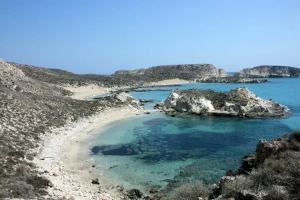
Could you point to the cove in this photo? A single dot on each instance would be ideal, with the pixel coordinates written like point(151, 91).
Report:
point(163, 152)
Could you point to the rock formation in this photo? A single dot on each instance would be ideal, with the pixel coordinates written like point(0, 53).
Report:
point(238, 102)
point(264, 71)
point(185, 71)
point(269, 173)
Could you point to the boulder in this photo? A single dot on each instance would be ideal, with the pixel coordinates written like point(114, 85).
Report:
point(95, 181)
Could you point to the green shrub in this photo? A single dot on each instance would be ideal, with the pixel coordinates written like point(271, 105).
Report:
point(191, 191)
point(22, 170)
point(295, 135)
point(277, 193)
point(38, 182)
point(21, 189)
point(233, 188)
point(30, 157)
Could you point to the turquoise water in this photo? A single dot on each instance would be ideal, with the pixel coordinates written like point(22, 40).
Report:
point(160, 151)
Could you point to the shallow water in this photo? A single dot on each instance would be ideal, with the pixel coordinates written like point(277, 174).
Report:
point(160, 151)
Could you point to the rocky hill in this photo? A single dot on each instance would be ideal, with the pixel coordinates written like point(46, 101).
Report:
point(185, 71)
point(238, 102)
point(264, 71)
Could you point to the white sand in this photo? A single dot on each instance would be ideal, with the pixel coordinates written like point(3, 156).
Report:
point(66, 161)
point(171, 82)
point(85, 91)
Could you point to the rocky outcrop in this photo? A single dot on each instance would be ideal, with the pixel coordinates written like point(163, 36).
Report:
point(238, 102)
point(231, 79)
point(127, 99)
point(264, 71)
point(269, 173)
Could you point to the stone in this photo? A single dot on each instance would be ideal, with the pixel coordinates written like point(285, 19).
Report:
point(134, 194)
point(95, 181)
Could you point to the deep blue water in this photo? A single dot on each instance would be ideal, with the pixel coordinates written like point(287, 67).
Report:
point(160, 151)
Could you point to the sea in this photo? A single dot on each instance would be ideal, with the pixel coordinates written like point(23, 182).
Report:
point(161, 152)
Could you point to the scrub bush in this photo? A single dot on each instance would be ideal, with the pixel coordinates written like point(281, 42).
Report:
point(191, 191)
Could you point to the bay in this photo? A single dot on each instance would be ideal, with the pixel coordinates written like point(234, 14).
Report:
point(163, 152)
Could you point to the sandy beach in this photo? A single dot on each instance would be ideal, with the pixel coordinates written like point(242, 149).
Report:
point(83, 92)
point(64, 160)
point(171, 82)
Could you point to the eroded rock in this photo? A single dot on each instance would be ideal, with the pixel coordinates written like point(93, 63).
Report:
point(239, 102)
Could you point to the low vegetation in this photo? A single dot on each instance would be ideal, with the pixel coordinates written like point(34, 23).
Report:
point(191, 191)
point(276, 177)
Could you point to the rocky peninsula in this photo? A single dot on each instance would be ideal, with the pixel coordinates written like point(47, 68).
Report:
point(239, 102)
point(265, 71)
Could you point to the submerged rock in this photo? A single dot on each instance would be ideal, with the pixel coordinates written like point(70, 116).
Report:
point(239, 102)
point(134, 194)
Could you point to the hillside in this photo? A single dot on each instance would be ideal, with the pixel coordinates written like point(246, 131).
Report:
point(30, 107)
point(265, 71)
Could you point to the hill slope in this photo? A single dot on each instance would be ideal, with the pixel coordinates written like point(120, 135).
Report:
point(28, 108)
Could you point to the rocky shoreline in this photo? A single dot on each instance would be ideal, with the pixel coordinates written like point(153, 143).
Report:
point(239, 102)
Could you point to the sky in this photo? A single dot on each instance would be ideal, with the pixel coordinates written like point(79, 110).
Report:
point(102, 36)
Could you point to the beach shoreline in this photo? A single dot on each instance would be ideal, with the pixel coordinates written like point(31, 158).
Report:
point(64, 159)
point(88, 91)
point(65, 162)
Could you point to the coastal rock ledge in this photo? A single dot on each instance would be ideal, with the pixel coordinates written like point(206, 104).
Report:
point(239, 102)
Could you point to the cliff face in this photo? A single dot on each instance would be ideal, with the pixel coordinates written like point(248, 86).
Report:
point(269, 71)
point(186, 71)
point(238, 102)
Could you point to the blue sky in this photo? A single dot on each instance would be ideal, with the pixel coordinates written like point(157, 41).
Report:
point(98, 36)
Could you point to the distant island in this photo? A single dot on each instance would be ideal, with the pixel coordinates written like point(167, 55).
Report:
point(268, 71)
